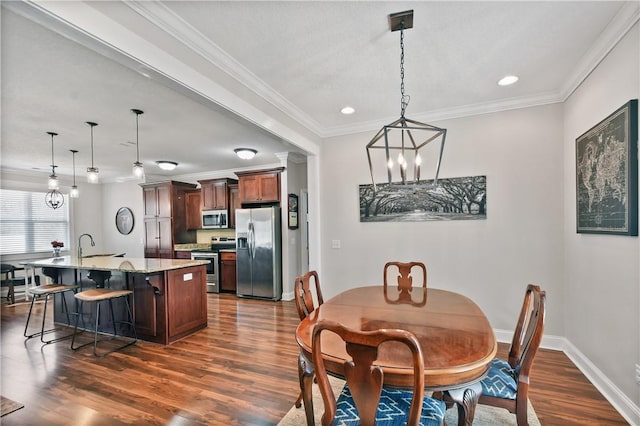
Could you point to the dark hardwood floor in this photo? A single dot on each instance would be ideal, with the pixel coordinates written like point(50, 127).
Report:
point(241, 370)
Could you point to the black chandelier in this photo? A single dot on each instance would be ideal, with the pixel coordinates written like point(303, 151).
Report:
point(404, 135)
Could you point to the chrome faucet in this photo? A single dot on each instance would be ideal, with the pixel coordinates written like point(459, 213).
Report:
point(80, 244)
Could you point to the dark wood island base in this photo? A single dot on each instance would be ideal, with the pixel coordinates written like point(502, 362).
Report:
point(169, 298)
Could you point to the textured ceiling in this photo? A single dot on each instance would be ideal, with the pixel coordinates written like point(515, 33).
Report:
point(302, 60)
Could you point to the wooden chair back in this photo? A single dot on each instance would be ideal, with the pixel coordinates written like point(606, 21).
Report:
point(363, 378)
point(525, 344)
point(405, 276)
point(303, 294)
point(529, 330)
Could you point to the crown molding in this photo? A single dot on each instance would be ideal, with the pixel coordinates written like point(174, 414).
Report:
point(450, 113)
point(625, 19)
point(165, 19)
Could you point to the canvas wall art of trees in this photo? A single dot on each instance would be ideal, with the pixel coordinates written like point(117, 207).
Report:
point(451, 199)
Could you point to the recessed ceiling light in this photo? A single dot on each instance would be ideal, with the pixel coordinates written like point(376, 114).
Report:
point(508, 80)
point(245, 153)
point(166, 165)
point(347, 110)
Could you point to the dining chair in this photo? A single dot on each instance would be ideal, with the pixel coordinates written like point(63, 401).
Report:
point(304, 287)
point(507, 382)
point(405, 275)
point(363, 399)
point(8, 271)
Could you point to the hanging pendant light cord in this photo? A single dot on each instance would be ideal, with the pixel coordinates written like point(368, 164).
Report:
point(74, 169)
point(53, 167)
point(91, 146)
point(404, 98)
point(137, 145)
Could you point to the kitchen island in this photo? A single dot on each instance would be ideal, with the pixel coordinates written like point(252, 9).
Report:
point(169, 295)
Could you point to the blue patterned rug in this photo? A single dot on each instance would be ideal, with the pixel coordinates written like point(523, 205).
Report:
point(485, 416)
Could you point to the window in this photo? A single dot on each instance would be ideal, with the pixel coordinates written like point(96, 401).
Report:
point(28, 225)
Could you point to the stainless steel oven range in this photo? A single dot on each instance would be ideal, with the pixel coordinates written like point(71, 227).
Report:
point(213, 284)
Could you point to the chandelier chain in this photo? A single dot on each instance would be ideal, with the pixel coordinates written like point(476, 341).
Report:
point(404, 98)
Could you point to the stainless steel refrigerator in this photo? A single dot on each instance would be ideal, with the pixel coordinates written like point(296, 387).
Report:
point(259, 253)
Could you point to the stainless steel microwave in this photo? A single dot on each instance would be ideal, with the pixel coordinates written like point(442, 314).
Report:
point(212, 219)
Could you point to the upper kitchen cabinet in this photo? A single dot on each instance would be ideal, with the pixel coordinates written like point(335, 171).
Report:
point(215, 193)
point(165, 217)
point(234, 203)
point(259, 186)
point(194, 216)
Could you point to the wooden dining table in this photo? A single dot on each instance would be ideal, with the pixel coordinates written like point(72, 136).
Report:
point(455, 336)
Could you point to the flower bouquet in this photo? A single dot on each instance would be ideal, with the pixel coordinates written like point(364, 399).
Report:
point(57, 245)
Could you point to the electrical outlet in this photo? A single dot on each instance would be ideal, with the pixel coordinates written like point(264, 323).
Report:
point(638, 373)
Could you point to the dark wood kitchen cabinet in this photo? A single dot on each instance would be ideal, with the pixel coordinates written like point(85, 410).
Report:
point(228, 271)
point(215, 193)
point(194, 211)
point(165, 218)
point(234, 203)
point(259, 186)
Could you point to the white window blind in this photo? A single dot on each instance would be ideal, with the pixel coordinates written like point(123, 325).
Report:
point(28, 225)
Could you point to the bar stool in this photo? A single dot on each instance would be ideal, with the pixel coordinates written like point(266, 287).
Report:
point(97, 296)
point(47, 291)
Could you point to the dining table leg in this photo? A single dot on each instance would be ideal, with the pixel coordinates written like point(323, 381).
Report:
point(305, 373)
point(466, 399)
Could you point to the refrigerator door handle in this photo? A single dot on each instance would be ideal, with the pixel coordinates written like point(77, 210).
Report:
point(252, 241)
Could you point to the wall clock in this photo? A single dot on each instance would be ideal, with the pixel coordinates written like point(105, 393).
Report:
point(124, 220)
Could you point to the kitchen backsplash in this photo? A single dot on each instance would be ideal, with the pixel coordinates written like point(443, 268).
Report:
point(204, 235)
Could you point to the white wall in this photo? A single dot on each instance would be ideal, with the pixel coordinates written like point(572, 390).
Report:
point(602, 273)
point(491, 261)
point(116, 195)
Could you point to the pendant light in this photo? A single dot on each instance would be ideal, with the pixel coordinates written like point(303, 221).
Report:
point(92, 172)
point(53, 198)
point(404, 135)
point(53, 179)
point(138, 168)
point(74, 193)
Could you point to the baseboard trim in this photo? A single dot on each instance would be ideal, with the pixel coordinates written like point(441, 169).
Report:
point(623, 404)
point(287, 296)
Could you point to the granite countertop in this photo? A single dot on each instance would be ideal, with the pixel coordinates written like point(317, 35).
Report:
point(227, 251)
point(123, 264)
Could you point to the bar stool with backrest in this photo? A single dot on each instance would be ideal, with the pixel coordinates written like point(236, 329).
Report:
point(304, 287)
point(405, 276)
point(99, 295)
point(47, 291)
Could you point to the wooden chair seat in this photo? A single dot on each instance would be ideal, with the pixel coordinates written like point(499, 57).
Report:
point(97, 294)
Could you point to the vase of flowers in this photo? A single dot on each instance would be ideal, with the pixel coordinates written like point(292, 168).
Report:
point(57, 245)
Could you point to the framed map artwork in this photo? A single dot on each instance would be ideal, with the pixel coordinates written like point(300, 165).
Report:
point(607, 175)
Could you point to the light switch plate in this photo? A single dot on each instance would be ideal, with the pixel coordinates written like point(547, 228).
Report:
point(335, 244)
